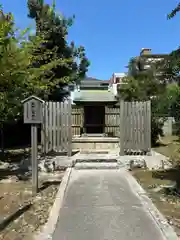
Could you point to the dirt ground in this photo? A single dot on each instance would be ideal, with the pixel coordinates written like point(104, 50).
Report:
point(157, 183)
point(24, 214)
point(160, 184)
point(170, 147)
point(15, 195)
point(35, 214)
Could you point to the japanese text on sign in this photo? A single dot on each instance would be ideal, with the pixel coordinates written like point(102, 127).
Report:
point(33, 111)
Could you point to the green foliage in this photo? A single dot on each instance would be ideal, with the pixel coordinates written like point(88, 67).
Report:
point(173, 96)
point(41, 64)
point(172, 66)
point(156, 129)
point(140, 84)
point(135, 66)
point(174, 11)
point(53, 28)
point(17, 78)
point(11, 64)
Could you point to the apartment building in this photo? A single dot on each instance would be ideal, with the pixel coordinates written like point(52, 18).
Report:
point(115, 81)
point(150, 58)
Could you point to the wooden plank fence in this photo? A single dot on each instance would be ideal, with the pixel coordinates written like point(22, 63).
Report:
point(135, 127)
point(112, 117)
point(56, 132)
point(77, 120)
point(62, 121)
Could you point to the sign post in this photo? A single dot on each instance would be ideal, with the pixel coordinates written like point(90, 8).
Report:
point(33, 115)
point(34, 156)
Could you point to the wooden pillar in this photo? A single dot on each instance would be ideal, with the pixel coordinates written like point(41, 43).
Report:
point(122, 128)
point(82, 128)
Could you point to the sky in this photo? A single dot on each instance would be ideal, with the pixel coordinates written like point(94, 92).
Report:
point(112, 31)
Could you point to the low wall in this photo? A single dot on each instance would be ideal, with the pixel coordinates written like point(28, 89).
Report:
point(95, 143)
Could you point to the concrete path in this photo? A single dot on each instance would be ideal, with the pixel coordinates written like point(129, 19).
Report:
point(102, 205)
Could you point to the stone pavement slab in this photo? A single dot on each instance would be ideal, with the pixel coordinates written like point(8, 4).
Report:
point(101, 205)
point(96, 165)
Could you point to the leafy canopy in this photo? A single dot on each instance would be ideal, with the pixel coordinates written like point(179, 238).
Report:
point(19, 77)
point(174, 11)
point(36, 64)
point(53, 28)
point(141, 84)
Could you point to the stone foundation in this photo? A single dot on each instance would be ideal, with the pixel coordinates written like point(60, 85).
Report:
point(95, 143)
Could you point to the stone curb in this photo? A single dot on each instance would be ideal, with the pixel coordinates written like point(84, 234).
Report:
point(167, 231)
point(48, 229)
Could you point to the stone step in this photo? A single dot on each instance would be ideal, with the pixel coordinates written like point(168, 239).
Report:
point(96, 160)
point(97, 155)
point(100, 165)
point(87, 151)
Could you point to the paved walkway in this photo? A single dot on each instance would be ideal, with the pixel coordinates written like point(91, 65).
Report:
point(101, 205)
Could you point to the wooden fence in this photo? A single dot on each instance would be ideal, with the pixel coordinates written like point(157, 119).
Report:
point(77, 120)
point(111, 125)
point(112, 121)
point(135, 127)
point(56, 129)
point(62, 121)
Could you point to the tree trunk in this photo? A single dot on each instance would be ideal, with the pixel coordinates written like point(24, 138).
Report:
point(2, 140)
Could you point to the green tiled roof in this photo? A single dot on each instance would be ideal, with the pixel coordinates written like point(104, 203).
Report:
point(94, 96)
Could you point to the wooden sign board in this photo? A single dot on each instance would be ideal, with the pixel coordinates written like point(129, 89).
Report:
point(33, 107)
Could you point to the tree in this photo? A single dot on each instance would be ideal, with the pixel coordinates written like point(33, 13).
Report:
point(135, 66)
point(142, 84)
point(11, 82)
point(53, 28)
point(19, 76)
point(40, 64)
point(174, 11)
point(172, 67)
point(12, 66)
point(172, 101)
point(169, 67)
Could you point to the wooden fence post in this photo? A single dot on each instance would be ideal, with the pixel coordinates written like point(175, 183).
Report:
point(121, 128)
point(69, 128)
point(135, 127)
